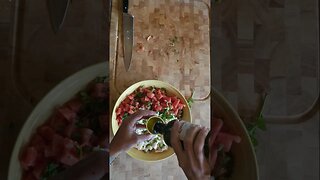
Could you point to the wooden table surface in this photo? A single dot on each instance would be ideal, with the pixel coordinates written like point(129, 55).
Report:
point(258, 45)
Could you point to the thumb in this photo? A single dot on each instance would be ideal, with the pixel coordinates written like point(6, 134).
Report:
point(144, 137)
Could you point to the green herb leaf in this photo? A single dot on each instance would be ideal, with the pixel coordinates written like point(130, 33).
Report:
point(190, 100)
point(84, 97)
point(258, 124)
point(139, 95)
point(79, 151)
point(125, 115)
point(101, 79)
point(261, 123)
point(51, 170)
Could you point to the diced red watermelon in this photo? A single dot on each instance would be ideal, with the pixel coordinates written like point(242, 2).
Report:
point(167, 99)
point(38, 142)
point(46, 132)
point(175, 103)
point(29, 157)
point(68, 130)
point(38, 168)
point(28, 176)
point(130, 111)
point(181, 106)
point(131, 96)
point(75, 105)
point(85, 136)
point(57, 145)
point(159, 96)
point(150, 95)
point(69, 158)
point(99, 90)
point(58, 123)
point(216, 126)
point(175, 112)
point(67, 113)
point(226, 140)
point(164, 104)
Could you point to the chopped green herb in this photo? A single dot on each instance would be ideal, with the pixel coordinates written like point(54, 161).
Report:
point(139, 95)
point(101, 79)
point(190, 100)
point(51, 170)
point(258, 124)
point(125, 115)
point(79, 151)
point(164, 90)
point(84, 97)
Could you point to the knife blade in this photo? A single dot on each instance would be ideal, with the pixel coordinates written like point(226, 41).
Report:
point(57, 12)
point(127, 24)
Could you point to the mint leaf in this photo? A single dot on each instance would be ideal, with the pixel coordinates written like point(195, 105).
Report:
point(51, 170)
point(261, 123)
point(190, 100)
point(258, 124)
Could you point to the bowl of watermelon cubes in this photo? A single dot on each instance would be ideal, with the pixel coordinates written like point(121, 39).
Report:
point(68, 124)
point(158, 96)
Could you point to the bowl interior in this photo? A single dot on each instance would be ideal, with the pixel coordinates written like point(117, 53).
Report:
point(150, 156)
point(245, 163)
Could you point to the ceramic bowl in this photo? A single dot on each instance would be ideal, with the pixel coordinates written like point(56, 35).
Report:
point(60, 94)
point(150, 156)
point(245, 162)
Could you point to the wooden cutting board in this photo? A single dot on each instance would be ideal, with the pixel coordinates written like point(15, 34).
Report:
point(177, 51)
point(171, 43)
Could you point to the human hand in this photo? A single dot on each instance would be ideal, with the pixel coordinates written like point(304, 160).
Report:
point(191, 156)
point(126, 136)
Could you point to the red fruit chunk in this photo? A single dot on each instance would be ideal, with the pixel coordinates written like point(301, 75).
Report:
point(67, 113)
point(29, 157)
point(85, 136)
point(99, 90)
point(69, 158)
point(226, 140)
point(75, 105)
point(46, 132)
point(150, 95)
point(175, 103)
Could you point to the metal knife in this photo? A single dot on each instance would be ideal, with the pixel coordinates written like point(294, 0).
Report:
point(57, 11)
point(127, 25)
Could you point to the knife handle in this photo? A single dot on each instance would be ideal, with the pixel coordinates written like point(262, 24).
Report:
point(125, 4)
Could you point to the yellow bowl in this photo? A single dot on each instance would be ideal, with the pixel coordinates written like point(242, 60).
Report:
point(245, 162)
point(171, 91)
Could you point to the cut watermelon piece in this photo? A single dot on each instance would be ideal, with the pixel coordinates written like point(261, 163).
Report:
point(29, 157)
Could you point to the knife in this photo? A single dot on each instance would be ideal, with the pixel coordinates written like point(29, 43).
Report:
point(127, 24)
point(57, 11)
